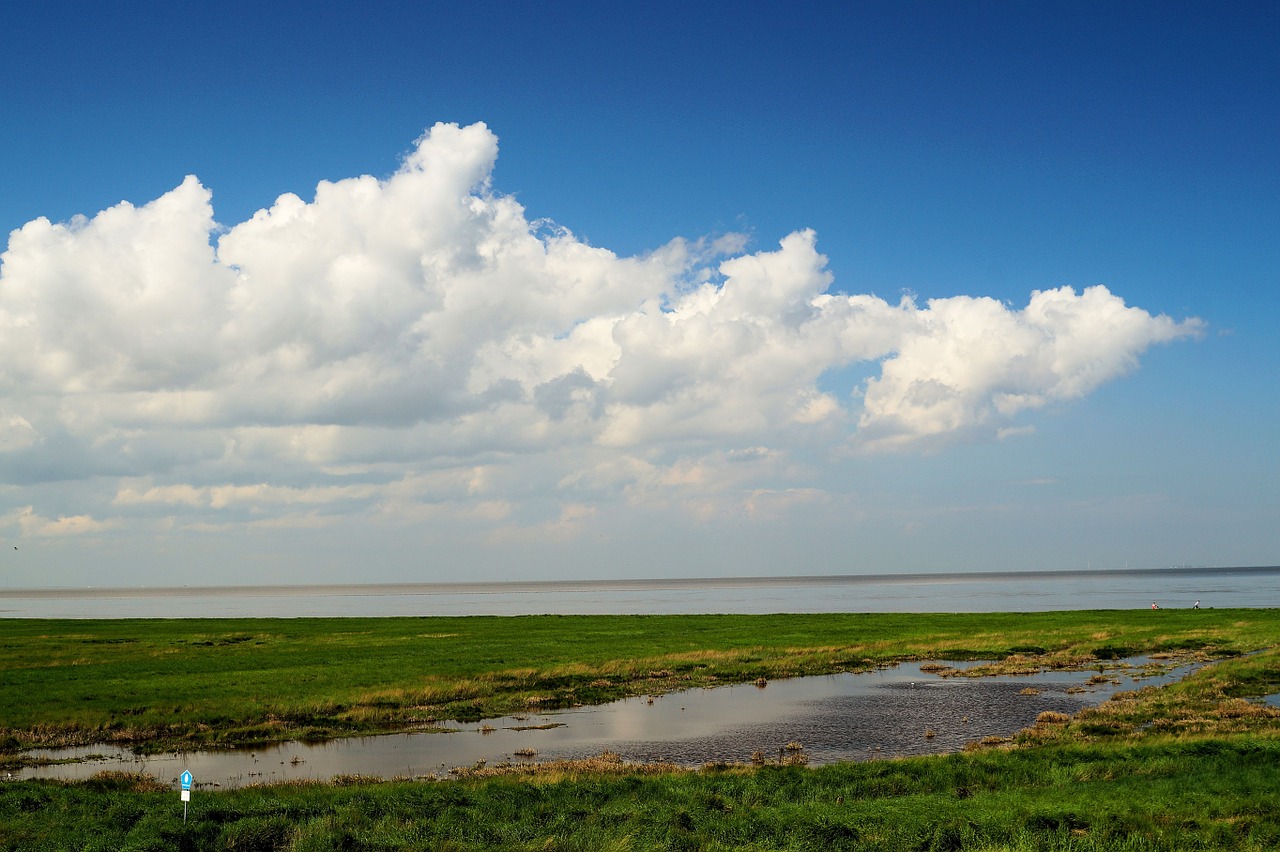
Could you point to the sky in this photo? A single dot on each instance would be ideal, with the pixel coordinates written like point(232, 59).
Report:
point(319, 293)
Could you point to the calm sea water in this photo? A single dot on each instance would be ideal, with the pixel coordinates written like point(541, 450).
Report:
point(1027, 591)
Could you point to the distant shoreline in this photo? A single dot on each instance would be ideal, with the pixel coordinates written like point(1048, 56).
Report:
point(639, 584)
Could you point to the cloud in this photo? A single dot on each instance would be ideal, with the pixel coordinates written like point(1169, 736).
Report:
point(32, 524)
point(971, 363)
point(376, 348)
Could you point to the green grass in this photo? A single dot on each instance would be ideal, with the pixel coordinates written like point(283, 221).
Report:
point(155, 683)
point(1189, 766)
point(1164, 795)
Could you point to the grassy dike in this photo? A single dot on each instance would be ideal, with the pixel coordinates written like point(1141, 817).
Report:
point(1190, 766)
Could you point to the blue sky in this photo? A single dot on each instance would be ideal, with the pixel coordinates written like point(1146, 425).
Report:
point(623, 292)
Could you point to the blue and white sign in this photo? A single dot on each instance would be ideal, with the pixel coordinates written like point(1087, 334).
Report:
point(185, 779)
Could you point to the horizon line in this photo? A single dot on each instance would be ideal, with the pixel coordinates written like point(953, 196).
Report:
point(498, 586)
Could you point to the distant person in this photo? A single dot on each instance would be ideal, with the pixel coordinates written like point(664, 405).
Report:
point(1196, 605)
point(1153, 605)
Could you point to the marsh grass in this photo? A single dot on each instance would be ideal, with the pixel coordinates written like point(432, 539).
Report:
point(1213, 701)
point(191, 683)
point(1157, 794)
point(1186, 766)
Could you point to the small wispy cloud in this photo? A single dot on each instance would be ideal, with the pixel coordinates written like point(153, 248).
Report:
point(34, 525)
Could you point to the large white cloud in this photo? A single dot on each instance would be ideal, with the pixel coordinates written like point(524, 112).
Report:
point(390, 339)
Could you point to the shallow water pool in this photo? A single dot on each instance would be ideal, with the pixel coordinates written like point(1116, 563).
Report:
point(883, 713)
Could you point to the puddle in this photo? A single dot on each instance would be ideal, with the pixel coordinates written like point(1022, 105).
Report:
point(883, 713)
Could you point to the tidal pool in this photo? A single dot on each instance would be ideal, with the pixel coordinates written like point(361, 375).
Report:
point(883, 713)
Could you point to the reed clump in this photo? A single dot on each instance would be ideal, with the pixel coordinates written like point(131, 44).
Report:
point(941, 669)
point(1052, 717)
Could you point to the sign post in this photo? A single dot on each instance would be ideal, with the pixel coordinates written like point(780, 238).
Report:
point(185, 780)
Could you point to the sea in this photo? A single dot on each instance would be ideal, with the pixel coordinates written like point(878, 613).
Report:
point(1006, 591)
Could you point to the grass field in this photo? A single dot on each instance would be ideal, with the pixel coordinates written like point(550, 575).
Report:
point(1170, 795)
point(156, 683)
point(1187, 766)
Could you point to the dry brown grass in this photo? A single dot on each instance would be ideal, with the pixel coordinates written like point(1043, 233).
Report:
point(941, 669)
point(1239, 708)
point(1200, 705)
point(606, 763)
point(987, 742)
point(355, 780)
point(134, 782)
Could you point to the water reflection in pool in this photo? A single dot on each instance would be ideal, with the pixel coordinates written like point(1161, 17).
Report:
point(888, 712)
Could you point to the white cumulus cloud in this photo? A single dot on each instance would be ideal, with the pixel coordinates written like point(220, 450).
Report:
point(392, 346)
